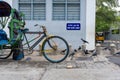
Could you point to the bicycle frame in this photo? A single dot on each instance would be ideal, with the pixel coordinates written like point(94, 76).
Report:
point(35, 43)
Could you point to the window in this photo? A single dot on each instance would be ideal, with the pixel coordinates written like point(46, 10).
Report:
point(66, 10)
point(33, 9)
point(59, 11)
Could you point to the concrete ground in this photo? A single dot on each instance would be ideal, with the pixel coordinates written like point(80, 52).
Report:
point(34, 67)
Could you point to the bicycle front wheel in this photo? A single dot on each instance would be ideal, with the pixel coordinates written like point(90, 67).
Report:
point(55, 49)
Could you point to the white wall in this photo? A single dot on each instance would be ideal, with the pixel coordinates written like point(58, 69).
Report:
point(59, 27)
point(9, 1)
point(90, 23)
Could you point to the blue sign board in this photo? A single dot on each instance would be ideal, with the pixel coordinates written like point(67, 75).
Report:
point(73, 26)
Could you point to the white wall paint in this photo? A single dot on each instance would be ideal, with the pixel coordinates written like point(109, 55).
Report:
point(9, 1)
point(59, 27)
point(90, 23)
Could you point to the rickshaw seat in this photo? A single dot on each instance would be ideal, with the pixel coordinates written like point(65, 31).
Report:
point(4, 42)
point(25, 30)
point(3, 37)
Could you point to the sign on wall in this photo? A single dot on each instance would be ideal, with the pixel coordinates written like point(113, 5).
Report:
point(73, 26)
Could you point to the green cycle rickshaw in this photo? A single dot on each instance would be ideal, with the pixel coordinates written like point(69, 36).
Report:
point(13, 20)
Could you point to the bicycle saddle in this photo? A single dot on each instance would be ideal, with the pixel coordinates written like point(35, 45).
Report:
point(84, 41)
point(25, 30)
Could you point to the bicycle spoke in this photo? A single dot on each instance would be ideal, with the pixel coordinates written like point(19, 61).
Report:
point(55, 49)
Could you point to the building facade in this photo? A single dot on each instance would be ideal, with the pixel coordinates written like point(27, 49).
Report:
point(71, 19)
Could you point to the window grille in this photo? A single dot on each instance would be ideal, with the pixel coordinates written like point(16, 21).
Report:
point(66, 10)
point(33, 9)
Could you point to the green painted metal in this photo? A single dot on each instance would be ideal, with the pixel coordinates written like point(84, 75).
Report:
point(15, 24)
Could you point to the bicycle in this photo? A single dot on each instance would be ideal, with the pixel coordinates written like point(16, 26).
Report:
point(54, 48)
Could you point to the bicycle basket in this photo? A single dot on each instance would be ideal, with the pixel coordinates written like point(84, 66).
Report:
point(5, 9)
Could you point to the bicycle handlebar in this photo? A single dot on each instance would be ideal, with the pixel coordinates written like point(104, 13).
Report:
point(41, 26)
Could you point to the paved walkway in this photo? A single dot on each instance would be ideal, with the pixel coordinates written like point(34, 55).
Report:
point(81, 68)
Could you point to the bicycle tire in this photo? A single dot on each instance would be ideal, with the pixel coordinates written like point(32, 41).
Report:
point(53, 45)
point(5, 53)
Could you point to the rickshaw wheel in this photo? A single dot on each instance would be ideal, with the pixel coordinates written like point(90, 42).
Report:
point(5, 53)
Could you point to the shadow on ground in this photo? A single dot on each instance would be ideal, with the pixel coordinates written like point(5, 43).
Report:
point(114, 59)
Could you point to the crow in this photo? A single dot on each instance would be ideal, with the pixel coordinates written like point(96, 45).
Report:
point(94, 53)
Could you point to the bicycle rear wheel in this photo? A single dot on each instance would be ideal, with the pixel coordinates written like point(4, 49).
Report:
point(55, 49)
